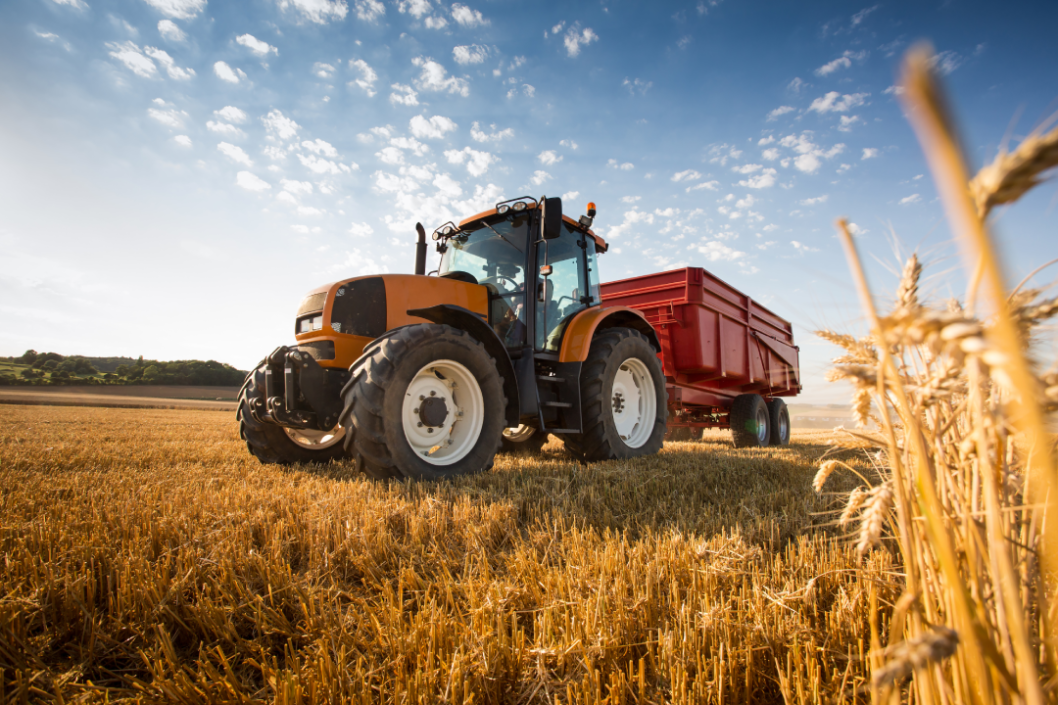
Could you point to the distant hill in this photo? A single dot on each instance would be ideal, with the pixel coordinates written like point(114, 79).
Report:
point(49, 368)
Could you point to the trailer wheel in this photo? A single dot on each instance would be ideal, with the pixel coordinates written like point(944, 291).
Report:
point(750, 423)
point(779, 416)
point(624, 403)
point(425, 403)
point(272, 444)
point(522, 439)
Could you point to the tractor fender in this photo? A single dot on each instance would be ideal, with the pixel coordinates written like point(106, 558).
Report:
point(474, 325)
point(581, 330)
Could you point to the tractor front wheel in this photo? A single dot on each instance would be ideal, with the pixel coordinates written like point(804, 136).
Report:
point(624, 404)
point(425, 403)
point(274, 444)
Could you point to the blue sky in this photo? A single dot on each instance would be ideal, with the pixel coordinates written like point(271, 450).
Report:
point(175, 174)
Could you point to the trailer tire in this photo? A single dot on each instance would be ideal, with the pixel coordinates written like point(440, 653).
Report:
point(750, 421)
point(626, 352)
point(387, 427)
point(275, 445)
point(523, 439)
point(779, 416)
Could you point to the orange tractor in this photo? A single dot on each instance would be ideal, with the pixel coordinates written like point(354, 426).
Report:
point(426, 376)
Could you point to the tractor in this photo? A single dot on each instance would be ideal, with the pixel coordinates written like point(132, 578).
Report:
point(429, 376)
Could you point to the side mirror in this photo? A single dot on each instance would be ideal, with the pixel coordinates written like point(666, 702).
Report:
point(552, 217)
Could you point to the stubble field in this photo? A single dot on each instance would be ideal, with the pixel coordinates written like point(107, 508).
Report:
point(147, 556)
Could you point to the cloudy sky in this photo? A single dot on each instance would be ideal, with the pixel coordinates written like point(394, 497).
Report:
point(175, 174)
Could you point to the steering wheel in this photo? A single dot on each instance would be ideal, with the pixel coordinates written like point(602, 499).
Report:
point(514, 284)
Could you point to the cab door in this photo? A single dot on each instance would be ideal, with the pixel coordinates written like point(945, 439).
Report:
point(571, 287)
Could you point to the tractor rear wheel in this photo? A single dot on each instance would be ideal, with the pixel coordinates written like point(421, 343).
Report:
point(750, 422)
point(425, 403)
point(624, 403)
point(274, 444)
point(523, 439)
point(779, 416)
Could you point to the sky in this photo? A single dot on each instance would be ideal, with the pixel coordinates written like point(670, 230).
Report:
point(176, 174)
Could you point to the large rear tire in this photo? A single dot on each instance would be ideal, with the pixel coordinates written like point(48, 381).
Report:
point(523, 439)
point(425, 403)
point(272, 444)
point(624, 404)
point(750, 422)
point(779, 416)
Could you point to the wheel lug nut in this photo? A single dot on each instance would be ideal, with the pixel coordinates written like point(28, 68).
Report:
point(421, 397)
point(429, 430)
point(419, 424)
point(414, 411)
point(433, 394)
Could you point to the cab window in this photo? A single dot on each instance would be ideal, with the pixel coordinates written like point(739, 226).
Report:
point(559, 295)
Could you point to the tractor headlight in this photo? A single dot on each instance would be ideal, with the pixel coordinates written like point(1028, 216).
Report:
point(519, 206)
point(310, 323)
point(503, 209)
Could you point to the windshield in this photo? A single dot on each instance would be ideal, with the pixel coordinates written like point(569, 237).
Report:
point(490, 250)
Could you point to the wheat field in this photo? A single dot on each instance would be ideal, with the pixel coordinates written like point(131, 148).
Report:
point(148, 557)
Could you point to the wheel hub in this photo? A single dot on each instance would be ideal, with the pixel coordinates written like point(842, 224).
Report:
point(433, 411)
point(618, 403)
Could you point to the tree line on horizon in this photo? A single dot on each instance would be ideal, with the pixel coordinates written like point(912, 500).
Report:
point(50, 368)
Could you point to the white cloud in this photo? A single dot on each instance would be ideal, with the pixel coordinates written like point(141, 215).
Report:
point(946, 62)
point(436, 22)
point(539, 177)
point(467, 17)
point(390, 155)
point(570, 195)
point(309, 211)
point(250, 182)
point(472, 54)
point(319, 146)
point(894, 90)
point(178, 9)
point(225, 72)
point(842, 168)
point(747, 168)
point(403, 95)
point(842, 62)
point(802, 248)
point(556, 29)
point(796, 86)
point(847, 121)
point(720, 153)
point(182, 140)
point(166, 114)
point(477, 162)
point(171, 68)
point(170, 32)
point(224, 128)
point(810, 155)
point(637, 86)
point(361, 229)
point(435, 78)
point(862, 15)
point(705, 185)
point(575, 39)
point(256, 45)
point(716, 251)
point(318, 11)
point(279, 126)
point(781, 110)
point(77, 4)
point(569, 143)
point(869, 153)
point(411, 143)
point(632, 218)
point(529, 90)
point(746, 202)
point(630, 199)
point(613, 164)
point(548, 157)
point(808, 163)
point(814, 201)
point(298, 188)
point(130, 55)
point(433, 128)
point(688, 175)
point(765, 140)
point(234, 153)
point(770, 154)
point(367, 76)
point(837, 103)
point(913, 198)
point(415, 8)
point(231, 114)
point(481, 136)
point(765, 179)
point(319, 165)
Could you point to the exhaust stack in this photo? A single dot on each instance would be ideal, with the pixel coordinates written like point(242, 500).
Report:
point(420, 250)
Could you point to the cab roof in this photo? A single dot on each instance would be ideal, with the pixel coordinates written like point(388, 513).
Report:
point(600, 244)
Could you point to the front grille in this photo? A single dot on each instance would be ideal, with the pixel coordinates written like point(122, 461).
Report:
point(360, 308)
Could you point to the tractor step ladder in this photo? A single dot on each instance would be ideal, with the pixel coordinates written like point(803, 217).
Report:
point(548, 379)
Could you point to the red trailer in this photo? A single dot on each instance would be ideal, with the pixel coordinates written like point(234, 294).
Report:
point(726, 358)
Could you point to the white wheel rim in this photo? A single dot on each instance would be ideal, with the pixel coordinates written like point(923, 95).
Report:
point(633, 402)
point(316, 440)
point(762, 425)
point(458, 422)
point(519, 433)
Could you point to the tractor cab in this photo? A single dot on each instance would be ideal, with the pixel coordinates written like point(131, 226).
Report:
point(536, 283)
